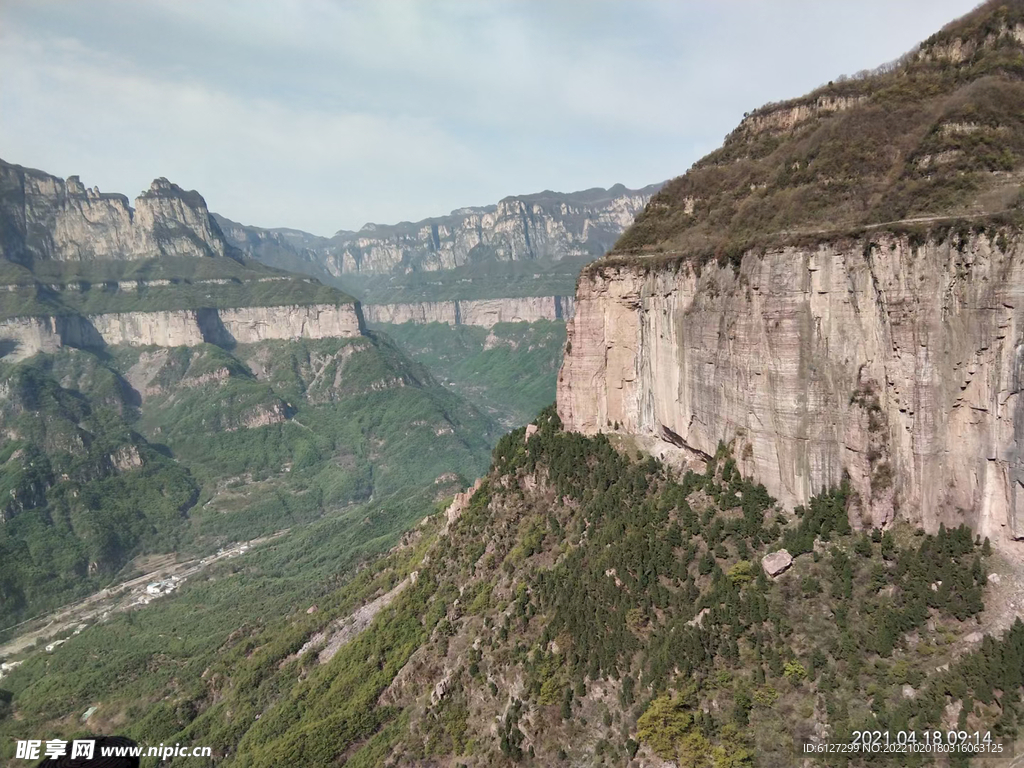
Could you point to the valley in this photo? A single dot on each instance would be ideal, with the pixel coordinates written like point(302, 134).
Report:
point(131, 594)
point(723, 472)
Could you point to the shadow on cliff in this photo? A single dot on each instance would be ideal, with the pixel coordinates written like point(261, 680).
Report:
point(213, 330)
point(8, 347)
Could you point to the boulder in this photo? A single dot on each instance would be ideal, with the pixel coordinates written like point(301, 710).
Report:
point(776, 562)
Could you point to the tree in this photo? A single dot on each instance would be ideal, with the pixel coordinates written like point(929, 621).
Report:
point(664, 726)
point(741, 573)
point(794, 671)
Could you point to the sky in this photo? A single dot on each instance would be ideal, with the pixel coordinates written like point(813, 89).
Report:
point(326, 114)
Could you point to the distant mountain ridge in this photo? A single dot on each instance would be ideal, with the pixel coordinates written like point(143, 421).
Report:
point(83, 268)
point(543, 227)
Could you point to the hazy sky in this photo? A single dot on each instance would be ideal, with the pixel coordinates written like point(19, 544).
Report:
point(325, 114)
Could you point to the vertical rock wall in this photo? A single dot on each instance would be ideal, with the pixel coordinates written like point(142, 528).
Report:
point(897, 365)
point(22, 337)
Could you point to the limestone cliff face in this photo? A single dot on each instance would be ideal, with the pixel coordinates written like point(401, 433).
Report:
point(44, 218)
point(482, 312)
point(899, 365)
point(25, 336)
point(548, 225)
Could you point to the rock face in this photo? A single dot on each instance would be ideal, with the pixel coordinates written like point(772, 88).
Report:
point(206, 291)
point(897, 363)
point(482, 312)
point(548, 225)
point(45, 218)
point(25, 336)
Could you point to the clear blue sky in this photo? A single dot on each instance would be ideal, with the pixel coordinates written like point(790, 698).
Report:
point(325, 114)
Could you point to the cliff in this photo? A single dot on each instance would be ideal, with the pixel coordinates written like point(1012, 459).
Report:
point(84, 269)
point(763, 302)
point(482, 312)
point(900, 366)
point(25, 336)
point(543, 226)
point(45, 218)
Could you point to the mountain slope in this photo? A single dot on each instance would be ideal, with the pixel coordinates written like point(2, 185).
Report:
point(185, 449)
point(937, 133)
point(583, 607)
point(84, 492)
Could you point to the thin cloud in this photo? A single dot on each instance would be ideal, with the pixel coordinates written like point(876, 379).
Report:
point(322, 115)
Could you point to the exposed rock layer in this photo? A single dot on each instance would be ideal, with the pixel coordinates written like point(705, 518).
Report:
point(25, 336)
point(898, 365)
point(482, 312)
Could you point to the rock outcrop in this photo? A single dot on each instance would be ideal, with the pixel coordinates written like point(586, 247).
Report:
point(481, 312)
point(896, 363)
point(548, 226)
point(25, 336)
point(45, 218)
point(159, 274)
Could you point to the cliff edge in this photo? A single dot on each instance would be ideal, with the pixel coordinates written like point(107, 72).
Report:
point(868, 324)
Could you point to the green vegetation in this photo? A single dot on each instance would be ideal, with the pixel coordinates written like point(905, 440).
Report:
point(82, 491)
point(90, 287)
point(929, 136)
point(589, 603)
point(508, 371)
point(164, 669)
point(221, 447)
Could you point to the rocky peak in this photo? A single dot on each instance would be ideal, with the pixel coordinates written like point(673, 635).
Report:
point(163, 185)
point(43, 218)
point(74, 186)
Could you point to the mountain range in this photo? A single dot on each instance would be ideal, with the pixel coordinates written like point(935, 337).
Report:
point(772, 511)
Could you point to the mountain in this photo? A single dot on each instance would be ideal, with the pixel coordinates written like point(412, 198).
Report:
point(523, 246)
point(548, 226)
point(835, 293)
point(83, 269)
point(753, 530)
point(160, 392)
point(581, 605)
point(466, 274)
